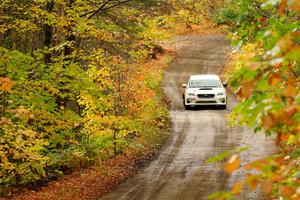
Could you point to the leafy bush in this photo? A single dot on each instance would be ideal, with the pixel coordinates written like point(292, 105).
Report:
point(264, 75)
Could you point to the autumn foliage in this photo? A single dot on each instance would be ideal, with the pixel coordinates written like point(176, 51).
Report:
point(264, 72)
point(78, 85)
point(80, 81)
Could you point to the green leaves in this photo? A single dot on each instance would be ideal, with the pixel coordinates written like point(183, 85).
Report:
point(78, 85)
point(267, 83)
point(222, 156)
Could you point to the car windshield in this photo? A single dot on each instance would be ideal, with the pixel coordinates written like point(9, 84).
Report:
point(204, 83)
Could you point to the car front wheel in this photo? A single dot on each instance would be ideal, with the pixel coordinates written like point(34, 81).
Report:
point(186, 107)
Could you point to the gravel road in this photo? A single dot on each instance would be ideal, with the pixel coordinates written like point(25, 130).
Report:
point(180, 172)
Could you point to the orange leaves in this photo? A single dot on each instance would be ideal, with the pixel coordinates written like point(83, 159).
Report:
point(245, 91)
point(252, 181)
point(295, 5)
point(282, 7)
point(271, 104)
point(268, 122)
point(6, 84)
point(291, 110)
point(276, 179)
point(283, 116)
point(281, 138)
point(274, 79)
point(256, 165)
point(267, 186)
point(5, 121)
point(262, 19)
point(232, 164)
point(291, 88)
point(286, 191)
point(237, 188)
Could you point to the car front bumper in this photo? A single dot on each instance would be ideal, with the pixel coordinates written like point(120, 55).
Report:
point(194, 101)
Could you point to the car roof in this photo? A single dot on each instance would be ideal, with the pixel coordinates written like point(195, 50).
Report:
point(204, 76)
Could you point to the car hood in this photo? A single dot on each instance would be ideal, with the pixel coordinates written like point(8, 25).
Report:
point(213, 90)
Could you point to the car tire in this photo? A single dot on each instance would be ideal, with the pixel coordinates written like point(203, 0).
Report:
point(186, 107)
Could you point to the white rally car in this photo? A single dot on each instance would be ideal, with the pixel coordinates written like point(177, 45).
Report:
point(205, 90)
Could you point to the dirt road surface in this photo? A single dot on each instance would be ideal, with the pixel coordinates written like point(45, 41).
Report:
point(181, 172)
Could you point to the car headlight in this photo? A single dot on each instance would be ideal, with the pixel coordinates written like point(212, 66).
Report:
point(220, 94)
point(191, 94)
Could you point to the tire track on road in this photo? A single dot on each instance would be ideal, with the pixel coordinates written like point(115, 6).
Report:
point(180, 171)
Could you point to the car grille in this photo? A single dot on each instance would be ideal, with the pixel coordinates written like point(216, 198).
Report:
point(206, 102)
point(206, 95)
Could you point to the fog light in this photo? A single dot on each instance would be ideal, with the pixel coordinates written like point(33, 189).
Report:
point(222, 100)
point(189, 100)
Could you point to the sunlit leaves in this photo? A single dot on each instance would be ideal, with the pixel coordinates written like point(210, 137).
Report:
point(237, 188)
point(6, 84)
point(232, 164)
point(20, 152)
point(75, 89)
point(267, 83)
point(226, 154)
point(219, 157)
point(220, 195)
point(267, 186)
point(252, 181)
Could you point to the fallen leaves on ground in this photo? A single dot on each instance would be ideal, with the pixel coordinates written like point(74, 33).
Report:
point(87, 184)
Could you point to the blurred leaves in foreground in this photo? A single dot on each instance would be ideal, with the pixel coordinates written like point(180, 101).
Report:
point(264, 72)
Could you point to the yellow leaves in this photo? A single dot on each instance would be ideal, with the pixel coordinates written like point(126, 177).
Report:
point(295, 5)
point(272, 106)
point(20, 112)
point(6, 165)
point(5, 121)
point(23, 26)
point(232, 164)
point(237, 188)
point(6, 84)
point(239, 59)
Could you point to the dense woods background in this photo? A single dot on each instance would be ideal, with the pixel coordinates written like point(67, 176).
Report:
point(77, 85)
point(80, 83)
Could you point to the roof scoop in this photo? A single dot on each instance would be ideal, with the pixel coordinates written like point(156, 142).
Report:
point(205, 89)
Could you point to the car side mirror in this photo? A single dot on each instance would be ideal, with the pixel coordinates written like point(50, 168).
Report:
point(225, 84)
point(184, 85)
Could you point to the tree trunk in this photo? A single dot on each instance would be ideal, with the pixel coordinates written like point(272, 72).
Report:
point(48, 32)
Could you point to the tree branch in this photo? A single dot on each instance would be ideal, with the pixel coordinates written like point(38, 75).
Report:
point(95, 11)
point(104, 7)
point(117, 4)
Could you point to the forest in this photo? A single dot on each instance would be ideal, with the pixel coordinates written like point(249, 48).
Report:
point(80, 84)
